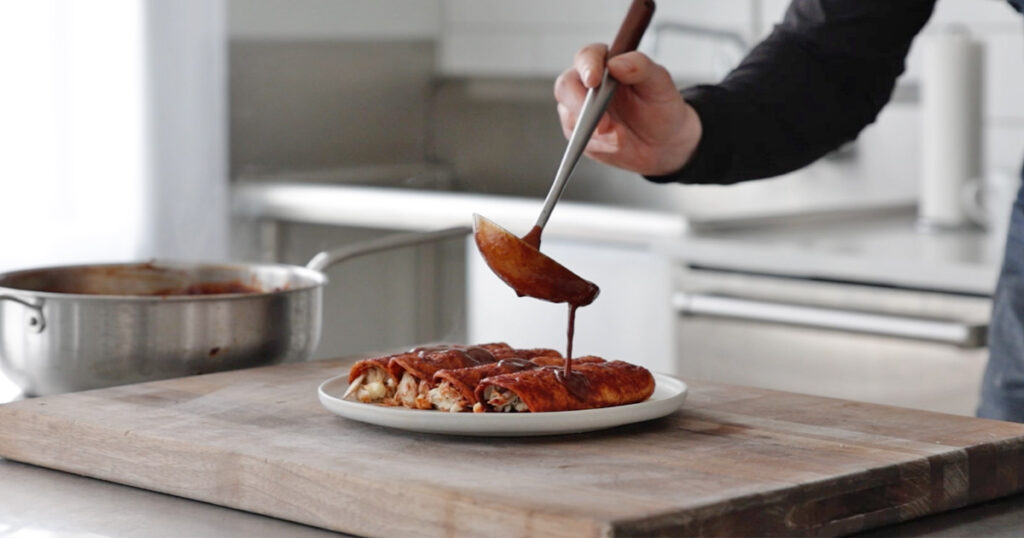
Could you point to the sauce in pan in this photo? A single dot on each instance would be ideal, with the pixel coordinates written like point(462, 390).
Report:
point(129, 280)
point(211, 288)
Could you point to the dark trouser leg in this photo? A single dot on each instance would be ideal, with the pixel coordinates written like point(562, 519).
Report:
point(1002, 390)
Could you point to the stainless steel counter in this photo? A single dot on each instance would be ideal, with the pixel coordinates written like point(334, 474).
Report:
point(41, 503)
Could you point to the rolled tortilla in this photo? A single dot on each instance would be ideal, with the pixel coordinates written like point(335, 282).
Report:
point(371, 381)
point(558, 360)
point(378, 379)
point(541, 390)
point(455, 390)
point(533, 353)
point(415, 370)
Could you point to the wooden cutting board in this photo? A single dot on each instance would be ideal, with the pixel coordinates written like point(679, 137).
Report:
point(734, 460)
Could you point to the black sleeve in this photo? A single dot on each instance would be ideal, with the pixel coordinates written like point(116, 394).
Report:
point(822, 75)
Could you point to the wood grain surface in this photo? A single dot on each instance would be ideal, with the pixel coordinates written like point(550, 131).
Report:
point(733, 461)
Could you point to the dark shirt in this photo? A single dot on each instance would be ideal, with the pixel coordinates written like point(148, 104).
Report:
point(813, 84)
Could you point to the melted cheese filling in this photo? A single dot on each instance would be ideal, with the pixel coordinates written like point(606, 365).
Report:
point(504, 401)
point(374, 386)
point(412, 392)
point(447, 398)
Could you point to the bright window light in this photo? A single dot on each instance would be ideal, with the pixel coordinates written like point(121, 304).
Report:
point(73, 136)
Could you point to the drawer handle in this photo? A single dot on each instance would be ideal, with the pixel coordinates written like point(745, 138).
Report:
point(969, 335)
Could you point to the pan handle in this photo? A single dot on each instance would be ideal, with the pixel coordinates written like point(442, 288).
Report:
point(325, 259)
point(36, 321)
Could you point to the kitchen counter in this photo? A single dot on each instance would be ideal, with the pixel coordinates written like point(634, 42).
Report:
point(733, 458)
point(41, 503)
point(883, 249)
point(389, 208)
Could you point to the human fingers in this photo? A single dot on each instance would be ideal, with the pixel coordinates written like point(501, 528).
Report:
point(605, 137)
point(567, 119)
point(569, 89)
point(649, 80)
point(589, 63)
point(570, 95)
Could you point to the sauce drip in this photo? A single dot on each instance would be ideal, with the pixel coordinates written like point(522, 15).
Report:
point(569, 335)
point(575, 383)
point(473, 354)
point(519, 262)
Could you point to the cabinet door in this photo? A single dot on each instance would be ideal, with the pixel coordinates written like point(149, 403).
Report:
point(538, 38)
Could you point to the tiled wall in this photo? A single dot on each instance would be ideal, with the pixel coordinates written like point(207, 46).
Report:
point(318, 104)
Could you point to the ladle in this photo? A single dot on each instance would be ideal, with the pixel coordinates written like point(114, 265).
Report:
point(519, 261)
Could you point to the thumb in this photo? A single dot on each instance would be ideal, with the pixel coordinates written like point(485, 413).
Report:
point(650, 81)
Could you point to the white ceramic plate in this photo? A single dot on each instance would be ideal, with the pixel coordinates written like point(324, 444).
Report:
point(669, 394)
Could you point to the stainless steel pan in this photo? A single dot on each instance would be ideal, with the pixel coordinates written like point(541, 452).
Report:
point(72, 328)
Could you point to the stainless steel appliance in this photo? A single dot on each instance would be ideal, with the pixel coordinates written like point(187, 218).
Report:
point(65, 329)
point(907, 347)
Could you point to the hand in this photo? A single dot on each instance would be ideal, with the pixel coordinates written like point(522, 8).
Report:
point(648, 128)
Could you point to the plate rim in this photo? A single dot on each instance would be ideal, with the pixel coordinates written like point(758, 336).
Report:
point(507, 424)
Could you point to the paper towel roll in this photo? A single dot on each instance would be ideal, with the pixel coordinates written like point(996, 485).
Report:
point(951, 120)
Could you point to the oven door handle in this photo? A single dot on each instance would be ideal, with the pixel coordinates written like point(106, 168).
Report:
point(960, 333)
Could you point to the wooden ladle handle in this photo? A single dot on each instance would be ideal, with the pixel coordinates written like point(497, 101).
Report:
point(633, 27)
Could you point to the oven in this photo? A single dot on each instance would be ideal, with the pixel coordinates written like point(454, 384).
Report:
point(914, 348)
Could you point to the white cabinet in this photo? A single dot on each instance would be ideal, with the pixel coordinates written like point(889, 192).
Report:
point(538, 38)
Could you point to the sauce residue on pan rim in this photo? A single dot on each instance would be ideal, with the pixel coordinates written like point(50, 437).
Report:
point(214, 288)
point(137, 281)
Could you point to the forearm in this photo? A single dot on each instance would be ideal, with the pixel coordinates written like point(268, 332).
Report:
point(821, 76)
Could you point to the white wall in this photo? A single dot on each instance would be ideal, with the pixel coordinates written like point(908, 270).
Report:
point(187, 128)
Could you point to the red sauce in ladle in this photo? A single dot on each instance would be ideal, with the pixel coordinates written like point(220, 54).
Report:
point(532, 237)
point(519, 262)
point(558, 283)
point(575, 383)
